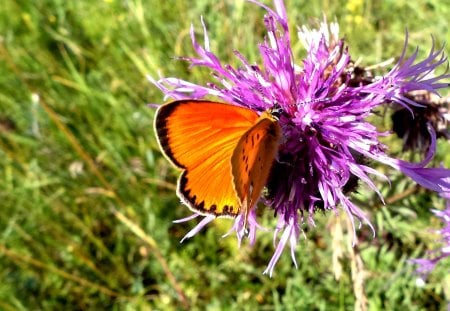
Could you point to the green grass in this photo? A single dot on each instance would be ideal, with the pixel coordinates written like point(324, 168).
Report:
point(87, 200)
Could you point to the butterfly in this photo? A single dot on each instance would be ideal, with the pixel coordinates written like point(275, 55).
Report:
point(225, 153)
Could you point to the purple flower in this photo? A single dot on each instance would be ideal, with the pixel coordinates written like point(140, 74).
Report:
point(427, 264)
point(324, 104)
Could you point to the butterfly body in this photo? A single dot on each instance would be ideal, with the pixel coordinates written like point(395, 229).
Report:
point(225, 153)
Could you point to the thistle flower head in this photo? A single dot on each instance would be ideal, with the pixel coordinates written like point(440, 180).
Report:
point(323, 103)
point(411, 125)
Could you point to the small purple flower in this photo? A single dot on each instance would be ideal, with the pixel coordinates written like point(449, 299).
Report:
point(427, 264)
point(324, 107)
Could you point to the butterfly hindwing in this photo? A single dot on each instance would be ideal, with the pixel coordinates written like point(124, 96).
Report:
point(199, 137)
point(252, 160)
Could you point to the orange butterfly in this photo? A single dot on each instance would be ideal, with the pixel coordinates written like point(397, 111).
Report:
point(225, 153)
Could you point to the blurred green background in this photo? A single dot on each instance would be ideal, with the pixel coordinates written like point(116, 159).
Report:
point(87, 200)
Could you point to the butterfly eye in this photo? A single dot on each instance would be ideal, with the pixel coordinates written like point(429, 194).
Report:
point(276, 112)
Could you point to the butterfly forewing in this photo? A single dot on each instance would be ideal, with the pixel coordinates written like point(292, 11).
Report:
point(199, 137)
point(252, 160)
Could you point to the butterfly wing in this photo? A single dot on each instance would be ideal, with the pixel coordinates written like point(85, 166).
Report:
point(252, 160)
point(199, 137)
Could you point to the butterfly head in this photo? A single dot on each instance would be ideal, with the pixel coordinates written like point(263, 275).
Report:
point(276, 112)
